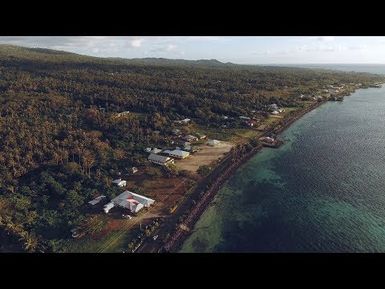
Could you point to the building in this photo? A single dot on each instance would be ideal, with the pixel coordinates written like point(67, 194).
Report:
point(275, 112)
point(97, 200)
point(176, 131)
point(201, 135)
point(129, 200)
point(273, 107)
point(133, 170)
point(177, 153)
point(160, 160)
point(147, 150)
point(267, 139)
point(244, 117)
point(108, 207)
point(183, 121)
point(119, 182)
point(156, 150)
point(123, 113)
point(213, 142)
point(152, 150)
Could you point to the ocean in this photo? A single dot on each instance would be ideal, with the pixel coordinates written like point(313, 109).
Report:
point(369, 68)
point(322, 191)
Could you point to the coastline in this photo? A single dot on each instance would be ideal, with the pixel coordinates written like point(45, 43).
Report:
point(214, 182)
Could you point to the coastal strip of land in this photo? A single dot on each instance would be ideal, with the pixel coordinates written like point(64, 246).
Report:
point(183, 220)
point(214, 182)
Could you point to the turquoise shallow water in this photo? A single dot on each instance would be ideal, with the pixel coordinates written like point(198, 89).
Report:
point(323, 191)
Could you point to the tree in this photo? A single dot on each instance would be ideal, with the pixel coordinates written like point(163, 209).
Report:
point(204, 170)
point(74, 199)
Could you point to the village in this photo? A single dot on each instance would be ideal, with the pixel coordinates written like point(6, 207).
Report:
point(144, 199)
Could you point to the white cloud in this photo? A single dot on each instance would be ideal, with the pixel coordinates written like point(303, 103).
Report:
point(171, 47)
point(323, 38)
point(136, 43)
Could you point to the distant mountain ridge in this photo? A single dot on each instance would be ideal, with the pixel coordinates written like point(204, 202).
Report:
point(34, 52)
point(40, 56)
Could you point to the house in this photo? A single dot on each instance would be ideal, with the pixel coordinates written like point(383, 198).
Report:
point(129, 200)
point(108, 207)
point(267, 139)
point(123, 113)
point(119, 182)
point(133, 170)
point(96, 200)
point(183, 121)
point(275, 112)
point(156, 150)
point(176, 131)
point(201, 135)
point(281, 110)
point(190, 138)
point(160, 160)
point(147, 150)
point(177, 153)
point(213, 142)
point(273, 107)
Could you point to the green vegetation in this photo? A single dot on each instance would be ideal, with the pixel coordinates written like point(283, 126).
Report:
point(204, 170)
point(62, 141)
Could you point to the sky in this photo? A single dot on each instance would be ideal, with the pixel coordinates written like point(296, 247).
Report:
point(236, 49)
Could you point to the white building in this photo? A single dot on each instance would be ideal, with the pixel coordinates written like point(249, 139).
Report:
point(156, 150)
point(122, 113)
point(129, 200)
point(147, 150)
point(273, 106)
point(108, 207)
point(160, 160)
point(119, 182)
point(213, 142)
point(133, 170)
point(177, 153)
point(96, 200)
point(267, 139)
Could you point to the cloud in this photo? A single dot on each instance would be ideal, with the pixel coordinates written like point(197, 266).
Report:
point(171, 47)
point(136, 43)
point(324, 38)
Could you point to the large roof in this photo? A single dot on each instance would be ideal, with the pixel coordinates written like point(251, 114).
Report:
point(158, 158)
point(129, 197)
point(179, 153)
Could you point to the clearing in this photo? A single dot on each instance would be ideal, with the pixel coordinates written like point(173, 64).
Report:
point(206, 155)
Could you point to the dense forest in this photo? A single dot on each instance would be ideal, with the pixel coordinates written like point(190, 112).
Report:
point(61, 139)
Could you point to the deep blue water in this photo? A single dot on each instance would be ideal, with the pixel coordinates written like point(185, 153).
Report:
point(369, 68)
point(323, 191)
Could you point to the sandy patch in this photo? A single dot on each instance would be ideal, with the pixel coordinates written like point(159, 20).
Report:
point(205, 156)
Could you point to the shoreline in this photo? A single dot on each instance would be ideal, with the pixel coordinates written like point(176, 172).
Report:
point(216, 180)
